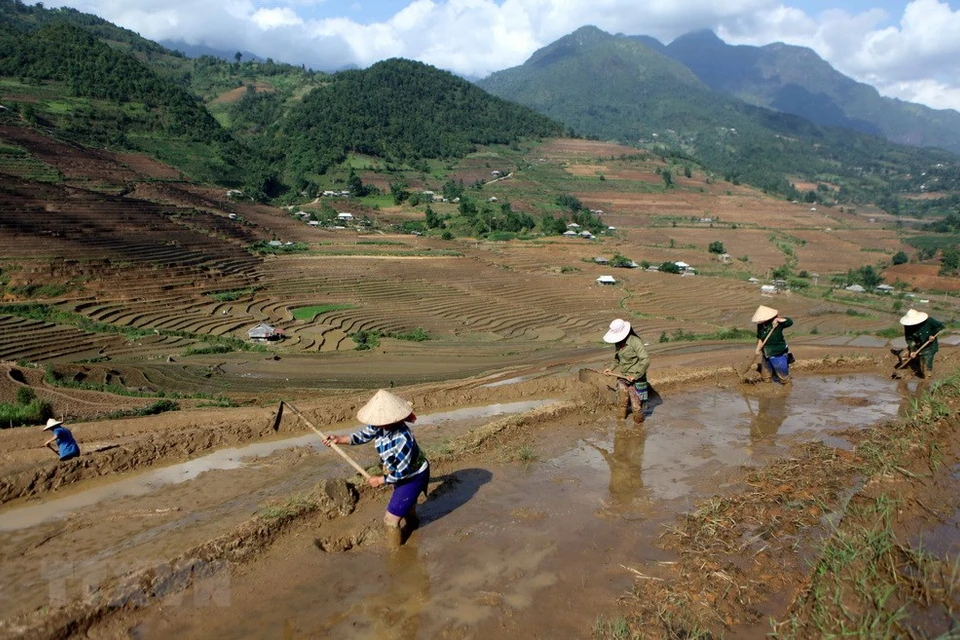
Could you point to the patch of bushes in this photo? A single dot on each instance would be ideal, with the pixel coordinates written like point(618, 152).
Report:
point(733, 333)
point(230, 296)
point(208, 348)
point(20, 414)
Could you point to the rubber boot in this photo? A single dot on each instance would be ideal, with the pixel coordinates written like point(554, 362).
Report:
point(394, 537)
point(638, 417)
point(623, 402)
point(785, 380)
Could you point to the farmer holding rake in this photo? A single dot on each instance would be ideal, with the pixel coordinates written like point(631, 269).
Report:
point(404, 464)
point(772, 345)
point(630, 364)
point(920, 331)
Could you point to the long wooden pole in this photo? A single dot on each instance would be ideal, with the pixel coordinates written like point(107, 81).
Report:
point(343, 454)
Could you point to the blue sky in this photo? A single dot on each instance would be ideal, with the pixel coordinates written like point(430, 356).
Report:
point(905, 48)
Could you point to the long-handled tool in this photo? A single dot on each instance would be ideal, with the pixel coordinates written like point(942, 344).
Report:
point(753, 359)
point(343, 454)
point(904, 362)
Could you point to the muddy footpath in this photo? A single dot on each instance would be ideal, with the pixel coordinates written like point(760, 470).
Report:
point(546, 517)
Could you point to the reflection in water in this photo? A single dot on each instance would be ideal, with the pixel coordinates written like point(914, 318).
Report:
point(395, 610)
point(399, 611)
point(626, 465)
point(910, 392)
point(771, 412)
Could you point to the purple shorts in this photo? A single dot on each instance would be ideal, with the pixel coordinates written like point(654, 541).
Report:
point(406, 492)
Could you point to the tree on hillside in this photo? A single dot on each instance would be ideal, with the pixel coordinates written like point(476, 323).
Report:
point(669, 267)
point(667, 176)
point(900, 257)
point(716, 247)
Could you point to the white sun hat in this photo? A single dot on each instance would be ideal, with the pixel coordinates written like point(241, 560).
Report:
point(384, 408)
point(762, 314)
point(51, 423)
point(913, 317)
point(618, 331)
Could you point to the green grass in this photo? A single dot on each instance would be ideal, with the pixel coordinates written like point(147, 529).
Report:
point(20, 414)
point(310, 313)
point(291, 508)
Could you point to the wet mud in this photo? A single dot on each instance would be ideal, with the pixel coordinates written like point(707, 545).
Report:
point(537, 544)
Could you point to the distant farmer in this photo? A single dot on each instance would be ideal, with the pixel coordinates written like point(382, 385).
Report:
point(404, 464)
point(630, 364)
point(66, 447)
point(771, 344)
point(920, 332)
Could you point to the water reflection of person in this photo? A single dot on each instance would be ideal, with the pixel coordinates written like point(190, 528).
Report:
point(908, 396)
point(771, 413)
point(399, 613)
point(626, 465)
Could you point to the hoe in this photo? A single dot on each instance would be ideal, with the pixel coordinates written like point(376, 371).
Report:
point(343, 454)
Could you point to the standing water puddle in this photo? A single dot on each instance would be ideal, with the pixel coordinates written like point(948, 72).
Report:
point(537, 549)
point(20, 517)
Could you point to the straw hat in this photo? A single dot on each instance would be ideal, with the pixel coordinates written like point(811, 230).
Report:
point(762, 314)
point(51, 423)
point(384, 408)
point(913, 317)
point(618, 331)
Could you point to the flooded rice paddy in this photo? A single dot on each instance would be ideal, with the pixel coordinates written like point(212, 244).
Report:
point(536, 545)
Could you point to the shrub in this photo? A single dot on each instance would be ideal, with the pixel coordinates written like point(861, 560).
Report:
point(366, 340)
point(16, 415)
point(716, 247)
point(669, 267)
point(25, 395)
point(900, 257)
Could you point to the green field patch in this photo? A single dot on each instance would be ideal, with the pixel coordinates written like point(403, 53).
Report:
point(310, 313)
point(934, 243)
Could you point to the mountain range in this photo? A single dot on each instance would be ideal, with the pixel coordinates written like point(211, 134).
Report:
point(769, 116)
point(796, 80)
point(632, 90)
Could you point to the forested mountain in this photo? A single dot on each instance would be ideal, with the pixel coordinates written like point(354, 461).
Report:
point(87, 91)
point(403, 110)
point(87, 80)
point(617, 87)
point(796, 80)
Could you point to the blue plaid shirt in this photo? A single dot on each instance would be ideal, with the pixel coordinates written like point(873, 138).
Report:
point(398, 450)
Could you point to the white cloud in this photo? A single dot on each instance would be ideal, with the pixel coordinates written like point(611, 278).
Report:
point(912, 56)
point(277, 17)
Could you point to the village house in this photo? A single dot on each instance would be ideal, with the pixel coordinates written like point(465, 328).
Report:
point(343, 216)
point(606, 280)
point(600, 260)
point(264, 332)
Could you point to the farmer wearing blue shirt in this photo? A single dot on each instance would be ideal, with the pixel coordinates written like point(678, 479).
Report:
point(404, 464)
point(66, 447)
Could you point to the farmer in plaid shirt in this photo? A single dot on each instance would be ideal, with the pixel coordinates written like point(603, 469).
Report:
point(405, 466)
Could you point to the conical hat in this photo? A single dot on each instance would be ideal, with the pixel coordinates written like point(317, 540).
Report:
point(51, 423)
point(384, 408)
point(913, 317)
point(762, 314)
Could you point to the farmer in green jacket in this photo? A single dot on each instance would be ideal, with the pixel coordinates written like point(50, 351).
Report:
point(772, 344)
point(920, 332)
point(630, 364)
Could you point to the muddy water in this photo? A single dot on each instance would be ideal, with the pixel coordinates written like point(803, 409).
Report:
point(60, 547)
point(20, 517)
point(537, 549)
